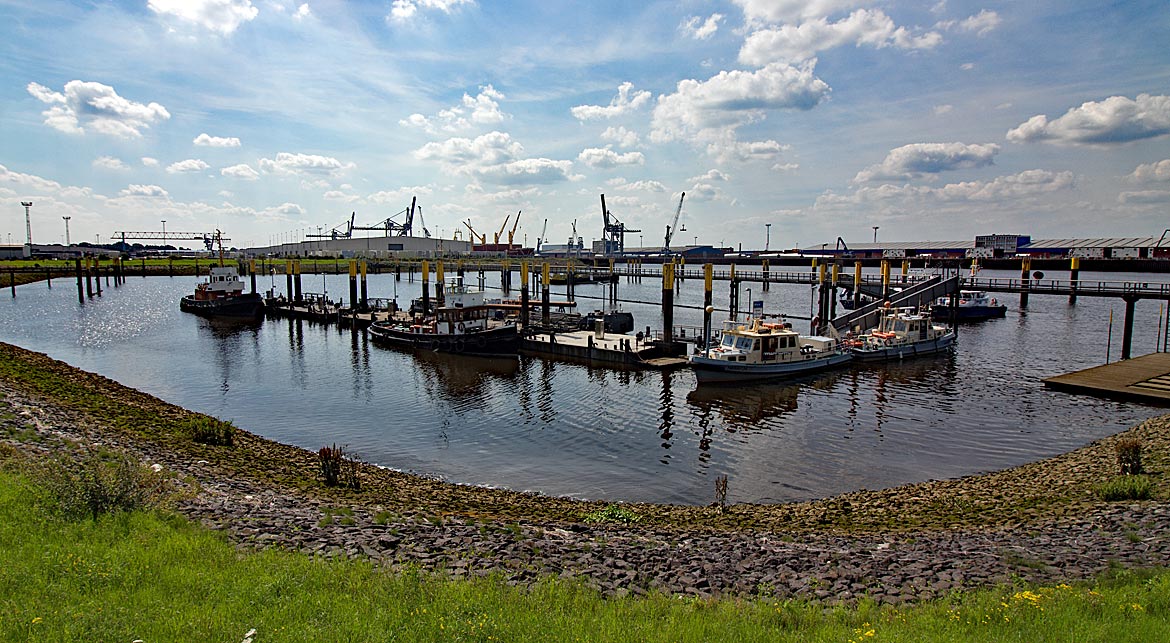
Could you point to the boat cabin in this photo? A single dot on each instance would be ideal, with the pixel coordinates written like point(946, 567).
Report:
point(222, 281)
point(764, 343)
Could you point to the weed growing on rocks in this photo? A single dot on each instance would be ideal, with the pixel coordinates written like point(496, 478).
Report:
point(1129, 456)
point(96, 483)
point(337, 470)
point(721, 493)
point(613, 513)
point(1125, 488)
point(207, 430)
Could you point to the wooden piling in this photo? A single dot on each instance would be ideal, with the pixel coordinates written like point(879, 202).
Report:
point(365, 292)
point(80, 292)
point(426, 286)
point(524, 295)
point(856, 284)
point(97, 276)
point(544, 294)
point(353, 289)
point(1127, 329)
point(1074, 274)
point(1025, 280)
point(708, 284)
point(297, 280)
point(288, 279)
point(668, 301)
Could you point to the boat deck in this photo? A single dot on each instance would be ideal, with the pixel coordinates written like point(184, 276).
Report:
point(585, 345)
point(1145, 378)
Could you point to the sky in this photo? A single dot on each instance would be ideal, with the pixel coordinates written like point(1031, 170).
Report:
point(273, 119)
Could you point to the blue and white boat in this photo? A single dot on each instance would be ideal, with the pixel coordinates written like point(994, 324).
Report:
point(972, 306)
point(756, 350)
point(902, 333)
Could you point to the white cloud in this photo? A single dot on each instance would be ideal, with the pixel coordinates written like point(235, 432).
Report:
point(643, 186)
point(1144, 197)
point(109, 163)
point(785, 167)
point(206, 140)
point(482, 109)
point(711, 110)
point(404, 10)
point(303, 12)
point(982, 23)
point(242, 171)
point(967, 66)
point(700, 29)
point(338, 195)
point(27, 180)
point(1151, 172)
point(400, 195)
point(1115, 120)
point(776, 11)
point(620, 135)
point(1003, 189)
point(287, 163)
point(149, 161)
point(939, 110)
point(795, 43)
point(918, 159)
point(86, 106)
point(187, 166)
point(743, 151)
point(710, 175)
point(494, 157)
point(221, 16)
point(623, 103)
point(150, 191)
point(605, 157)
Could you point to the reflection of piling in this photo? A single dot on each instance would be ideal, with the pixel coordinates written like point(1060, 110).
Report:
point(297, 280)
point(668, 301)
point(426, 286)
point(80, 292)
point(1074, 274)
point(524, 295)
point(544, 312)
point(365, 292)
point(708, 283)
point(288, 278)
point(353, 291)
point(1025, 280)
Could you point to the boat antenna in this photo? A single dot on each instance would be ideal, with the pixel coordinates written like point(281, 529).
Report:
point(219, 240)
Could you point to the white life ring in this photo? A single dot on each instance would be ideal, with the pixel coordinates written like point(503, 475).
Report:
point(461, 328)
point(888, 342)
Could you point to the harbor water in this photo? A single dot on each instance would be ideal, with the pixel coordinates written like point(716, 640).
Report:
point(567, 429)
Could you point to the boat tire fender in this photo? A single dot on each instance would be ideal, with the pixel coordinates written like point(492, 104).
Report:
point(460, 345)
point(461, 327)
point(434, 344)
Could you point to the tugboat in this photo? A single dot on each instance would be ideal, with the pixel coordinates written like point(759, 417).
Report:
point(900, 334)
point(222, 295)
point(465, 323)
point(972, 306)
point(758, 350)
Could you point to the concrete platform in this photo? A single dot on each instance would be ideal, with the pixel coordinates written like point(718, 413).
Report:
point(585, 346)
point(1144, 379)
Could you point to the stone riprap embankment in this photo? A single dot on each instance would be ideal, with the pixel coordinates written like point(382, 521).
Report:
point(891, 566)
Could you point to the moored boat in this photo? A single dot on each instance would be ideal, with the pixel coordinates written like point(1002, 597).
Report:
point(222, 295)
point(758, 350)
point(972, 306)
point(902, 333)
point(465, 323)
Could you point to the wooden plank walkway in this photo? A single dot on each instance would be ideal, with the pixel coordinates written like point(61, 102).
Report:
point(1145, 378)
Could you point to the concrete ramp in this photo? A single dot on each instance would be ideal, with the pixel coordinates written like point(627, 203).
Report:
point(920, 294)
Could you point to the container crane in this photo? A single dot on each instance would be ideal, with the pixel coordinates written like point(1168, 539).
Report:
point(335, 232)
point(614, 232)
point(475, 235)
point(670, 229)
point(209, 239)
point(391, 227)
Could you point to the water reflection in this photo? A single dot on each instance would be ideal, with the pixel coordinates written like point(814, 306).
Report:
point(460, 380)
point(745, 407)
point(230, 339)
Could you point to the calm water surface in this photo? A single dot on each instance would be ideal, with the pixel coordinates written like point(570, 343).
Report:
point(566, 429)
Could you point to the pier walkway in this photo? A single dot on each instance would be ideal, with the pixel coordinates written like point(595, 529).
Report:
point(1145, 378)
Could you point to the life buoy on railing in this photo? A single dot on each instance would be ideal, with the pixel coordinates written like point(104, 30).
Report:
point(888, 341)
point(461, 327)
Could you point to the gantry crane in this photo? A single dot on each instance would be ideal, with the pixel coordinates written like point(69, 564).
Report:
point(335, 232)
point(614, 232)
point(209, 239)
point(391, 227)
point(670, 229)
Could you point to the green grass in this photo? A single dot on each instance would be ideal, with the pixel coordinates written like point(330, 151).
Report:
point(1133, 487)
point(155, 577)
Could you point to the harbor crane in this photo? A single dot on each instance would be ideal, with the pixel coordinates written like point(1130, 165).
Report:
point(540, 239)
point(575, 242)
point(614, 232)
point(209, 239)
point(512, 232)
point(670, 229)
point(496, 236)
point(475, 235)
point(393, 228)
point(336, 231)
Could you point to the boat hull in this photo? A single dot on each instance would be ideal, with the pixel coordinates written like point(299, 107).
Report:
point(713, 371)
point(907, 350)
point(504, 340)
point(969, 313)
point(244, 306)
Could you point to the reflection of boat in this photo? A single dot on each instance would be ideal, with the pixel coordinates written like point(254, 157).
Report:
point(561, 278)
point(902, 333)
point(463, 324)
point(222, 295)
point(972, 306)
point(762, 351)
point(464, 377)
point(748, 404)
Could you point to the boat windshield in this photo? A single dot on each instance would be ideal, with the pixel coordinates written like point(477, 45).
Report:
point(744, 343)
point(728, 341)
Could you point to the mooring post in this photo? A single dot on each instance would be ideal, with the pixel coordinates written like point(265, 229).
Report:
point(1127, 330)
point(885, 278)
point(833, 292)
point(524, 295)
point(426, 286)
point(12, 281)
point(49, 277)
point(856, 284)
point(708, 286)
point(80, 291)
point(544, 294)
point(88, 279)
point(668, 302)
point(1074, 275)
point(1025, 280)
point(288, 278)
point(297, 279)
point(506, 276)
point(764, 267)
point(171, 267)
point(365, 292)
point(252, 274)
point(353, 290)
point(97, 275)
point(440, 279)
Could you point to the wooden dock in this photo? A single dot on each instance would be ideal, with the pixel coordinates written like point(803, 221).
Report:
point(1145, 379)
point(587, 347)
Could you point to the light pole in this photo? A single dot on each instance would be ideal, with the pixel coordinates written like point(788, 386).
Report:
point(875, 229)
point(27, 223)
point(67, 244)
point(164, 238)
point(767, 236)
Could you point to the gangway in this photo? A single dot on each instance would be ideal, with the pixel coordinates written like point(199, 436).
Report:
point(920, 294)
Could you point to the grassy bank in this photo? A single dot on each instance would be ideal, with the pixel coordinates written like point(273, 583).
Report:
point(154, 577)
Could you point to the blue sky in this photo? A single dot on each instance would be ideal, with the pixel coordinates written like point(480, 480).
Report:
point(270, 118)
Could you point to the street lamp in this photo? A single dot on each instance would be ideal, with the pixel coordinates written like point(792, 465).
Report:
point(27, 223)
point(67, 230)
point(875, 229)
point(768, 236)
